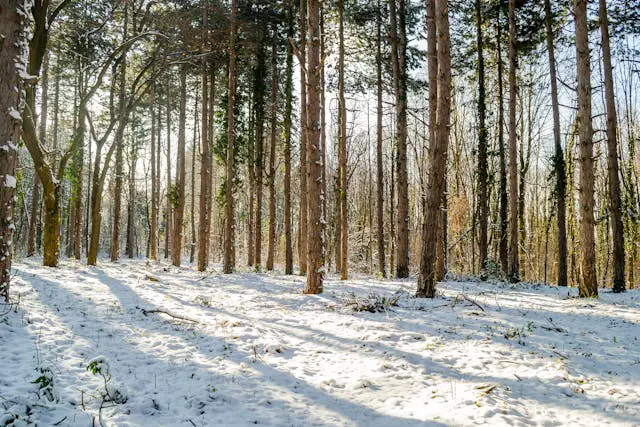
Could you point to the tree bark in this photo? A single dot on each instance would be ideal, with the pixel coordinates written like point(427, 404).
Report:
point(153, 232)
point(398, 55)
point(229, 238)
point(314, 195)
point(589, 284)
point(272, 151)
point(302, 220)
point(342, 153)
point(514, 264)
point(558, 160)
point(379, 158)
point(259, 155)
point(438, 156)
point(483, 193)
point(615, 199)
point(503, 247)
point(179, 203)
point(13, 27)
point(34, 224)
point(117, 196)
point(288, 268)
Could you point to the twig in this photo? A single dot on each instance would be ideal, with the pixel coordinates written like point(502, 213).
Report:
point(192, 423)
point(175, 316)
point(560, 354)
point(60, 422)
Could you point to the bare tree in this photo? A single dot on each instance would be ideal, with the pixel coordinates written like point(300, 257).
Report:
point(229, 237)
point(589, 283)
point(615, 199)
point(315, 193)
point(438, 156)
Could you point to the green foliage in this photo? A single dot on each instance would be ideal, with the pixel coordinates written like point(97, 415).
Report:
point(45, 384)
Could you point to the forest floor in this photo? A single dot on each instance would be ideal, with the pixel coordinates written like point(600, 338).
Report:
point(252, 349)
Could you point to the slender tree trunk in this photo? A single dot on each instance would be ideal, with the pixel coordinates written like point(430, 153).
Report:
point(302, 224)
point(398, 55)
point(259, 155)
point(131, 203)
point(438, 155)
point(229, 239)
point(483, 191)
point(379, 158)
point(514, 264)
point(205, 168)
point(288, 268)
point(153, 233)
point(314, 195)
point(251, 168)
point(193, 180)
point(342, 153)
point(35, 199)
point(117, 196)
point(13, 25)
point(615, 199)
point(179, 202)
point(168, 212)
point(503, 247)
point(589, 284)
point(558, 159)
point(272, 151)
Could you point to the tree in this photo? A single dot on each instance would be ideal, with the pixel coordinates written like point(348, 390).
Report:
point(272, 150)
point(398, 59)
point(178, 195)
point(204, 220)
point(379, 159)
point(588, 284)
point(558, 158)
point(229, 236)
point(438, 155)
point(342, 153)
point(514, 264)
point(483, 191)
point(615, 200)
point(315, 193)
point(303, 214)
point(13, 27)
point(288, 268)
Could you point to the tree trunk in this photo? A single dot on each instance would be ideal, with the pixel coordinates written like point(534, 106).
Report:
point(131, 203)
point(342, 154)
point(483, 193)
point(398, 59)
point(179, 202)
point(314, 195)
point(272, 151)
point(302, 224)
point(288, 267)
point(34, 224)
point(117, 196)
point(153, 232)
point(259, 155)
point(612, 158)
point(503, 247)
point(379, 158)
point(514, 265)
point(193, 180)
point(558, 160)
point(229, 238)
point(168, 211)
point(589, 284)
point(438, 156)
point(205, 168)
point(13, 25)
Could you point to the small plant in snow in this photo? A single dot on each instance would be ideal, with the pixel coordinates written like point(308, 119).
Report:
point(100, 366)
point(492, 272)
point(45, 384)
point(373, 303)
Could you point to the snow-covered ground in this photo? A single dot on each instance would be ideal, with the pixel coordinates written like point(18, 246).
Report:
point(252, 349)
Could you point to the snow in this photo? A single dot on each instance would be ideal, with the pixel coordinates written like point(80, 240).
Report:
point(10, 181)
point(251, 348)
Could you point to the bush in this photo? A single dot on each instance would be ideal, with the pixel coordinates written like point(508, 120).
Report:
point(373, 303)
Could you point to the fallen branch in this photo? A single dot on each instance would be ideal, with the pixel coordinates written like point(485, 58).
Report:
point(175, 316)
point(466, 298)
